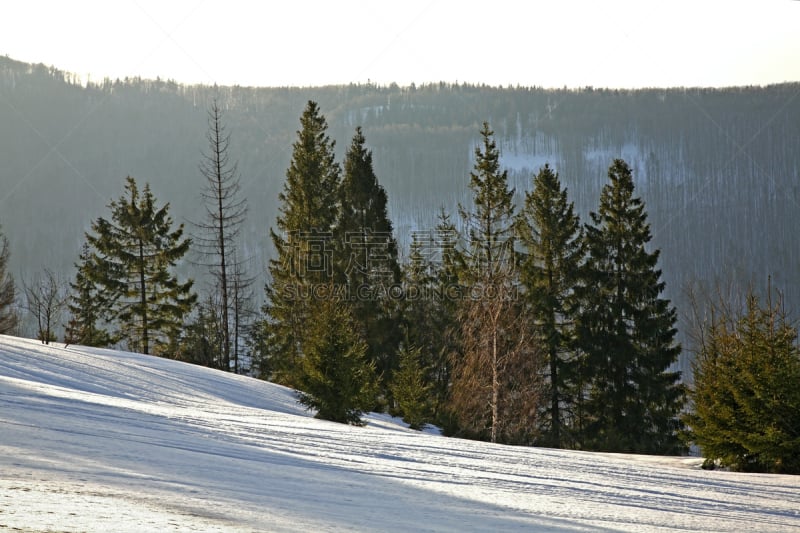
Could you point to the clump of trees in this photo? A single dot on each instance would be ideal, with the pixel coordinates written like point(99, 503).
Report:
point(513, 326)
point(335, 248)
point(516, 327)
point(745, 400)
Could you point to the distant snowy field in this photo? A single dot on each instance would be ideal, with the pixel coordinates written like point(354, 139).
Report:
point(99, 440)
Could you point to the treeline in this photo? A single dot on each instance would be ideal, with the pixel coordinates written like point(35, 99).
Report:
point(519, 325)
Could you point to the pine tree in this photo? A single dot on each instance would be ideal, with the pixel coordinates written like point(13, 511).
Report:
point(745, 402)
point(87, 306)
point(303, 242)
point(495, 383)
point(550, 232)
point(8, 316)
point(626, 331)
point(366, 257)
point(225, 213)
point(131, 261)
point(338, 380)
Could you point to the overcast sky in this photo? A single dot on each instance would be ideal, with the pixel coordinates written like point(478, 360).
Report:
point(549, 43)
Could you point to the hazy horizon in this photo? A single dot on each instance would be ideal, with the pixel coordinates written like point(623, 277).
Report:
point(574, 44)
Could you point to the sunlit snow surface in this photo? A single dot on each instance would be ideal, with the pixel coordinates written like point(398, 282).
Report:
point(98, 440)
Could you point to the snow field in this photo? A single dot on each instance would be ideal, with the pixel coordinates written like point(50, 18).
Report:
point(101, 440)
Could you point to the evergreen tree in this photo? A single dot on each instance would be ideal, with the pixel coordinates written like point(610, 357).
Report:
point(8, 316)
point(204, 337)
point(745, 402)
point(626, 331)
point(411, 389)
point(338, 380)
point(225, 213)
point(366, 257)
point(550, 232)
point(303, 242)
point(131, 261)
point(495, 383)
point(432, 298)
point(87, 306)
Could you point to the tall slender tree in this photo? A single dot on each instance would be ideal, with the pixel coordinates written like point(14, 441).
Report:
point(366, 258)
point(131, 260)
point(225, 211)
point(303, 242)
point(626, 330)
point(550, 232)
point(8, 316)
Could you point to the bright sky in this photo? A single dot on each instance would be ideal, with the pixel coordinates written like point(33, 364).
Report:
point(549, 43)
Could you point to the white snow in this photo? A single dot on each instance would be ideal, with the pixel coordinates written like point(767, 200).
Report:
point(100, 440)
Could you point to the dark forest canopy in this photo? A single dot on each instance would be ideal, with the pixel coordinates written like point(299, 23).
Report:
point(718, 168)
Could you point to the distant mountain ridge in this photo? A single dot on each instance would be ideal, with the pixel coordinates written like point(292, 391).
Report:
point(719, 169)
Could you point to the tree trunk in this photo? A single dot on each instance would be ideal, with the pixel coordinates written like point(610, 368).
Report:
point(495, 383)
point(143, 300)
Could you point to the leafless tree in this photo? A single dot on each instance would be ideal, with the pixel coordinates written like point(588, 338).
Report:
point(45, 299)
point(217, 233)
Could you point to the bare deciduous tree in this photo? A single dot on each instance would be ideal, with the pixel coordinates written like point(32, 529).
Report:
point(45, 299)
point(496, 382)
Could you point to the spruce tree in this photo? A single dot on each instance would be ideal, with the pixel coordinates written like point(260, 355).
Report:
point(411, 389)
point(303, 243)
point(365, 254)
point(626, 331)
point(495, 384)
point(88, 307)
point(225, 211)
point(131, 260)
point(338, 379)
point(550, 232)
point(8, 316)
point(432, 299)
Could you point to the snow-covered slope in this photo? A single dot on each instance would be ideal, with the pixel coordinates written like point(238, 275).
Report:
point(98, 440)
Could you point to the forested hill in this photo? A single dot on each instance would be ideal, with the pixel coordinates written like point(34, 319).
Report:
point(719, 169)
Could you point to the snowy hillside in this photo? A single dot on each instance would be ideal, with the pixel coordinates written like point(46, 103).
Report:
point(97, 440)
